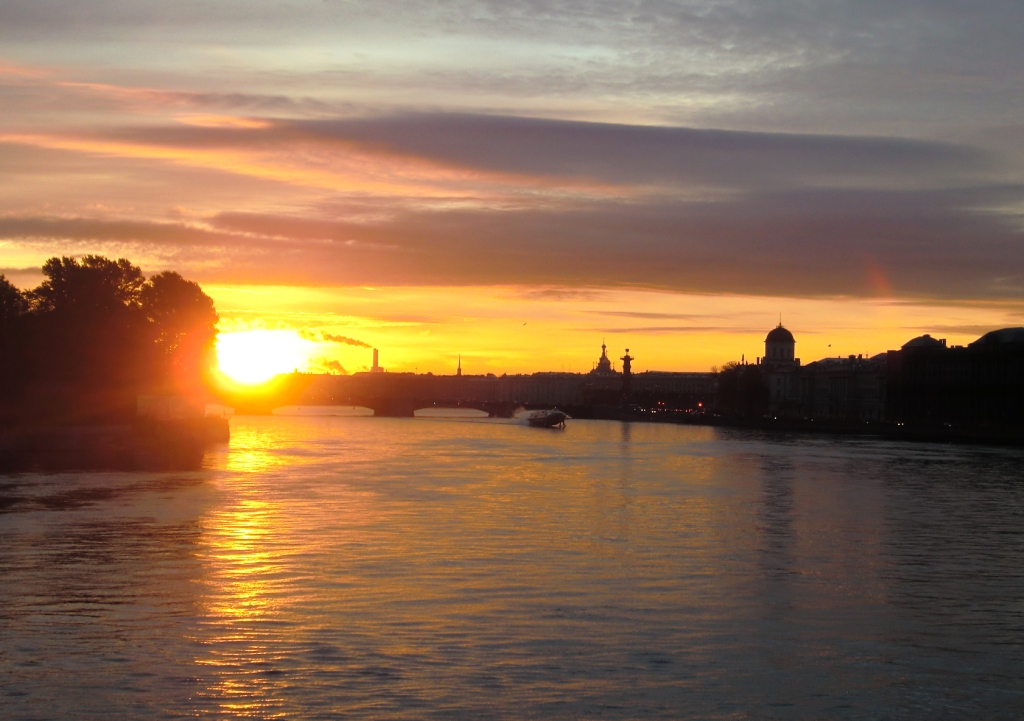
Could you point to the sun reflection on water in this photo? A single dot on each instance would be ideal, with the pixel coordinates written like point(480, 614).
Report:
point(251, 451)
point(250, 549)
point(244, 597)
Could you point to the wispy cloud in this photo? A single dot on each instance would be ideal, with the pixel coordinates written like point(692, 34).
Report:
point(926, 244)
point(744, 147)
point(651, 316)
point(671, 329)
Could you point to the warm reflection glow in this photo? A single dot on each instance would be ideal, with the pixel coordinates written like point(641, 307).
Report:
point(240, 553)
point(256, 356)
point(247, 549)
point(241, 567)
point(251, 452)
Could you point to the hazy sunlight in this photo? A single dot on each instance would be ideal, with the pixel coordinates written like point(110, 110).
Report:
point(256, 356)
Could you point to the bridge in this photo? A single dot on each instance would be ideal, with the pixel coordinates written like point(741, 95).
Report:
point(396, 395)
point(401, 394)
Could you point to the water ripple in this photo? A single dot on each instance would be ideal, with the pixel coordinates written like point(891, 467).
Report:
point(386, 568)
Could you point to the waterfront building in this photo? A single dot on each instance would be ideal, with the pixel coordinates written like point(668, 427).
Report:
point(672, 391)
point(844, 389)
point(979, 385)
point(830, 389)
point(560, 389)
point(781, 370)
point(666, 383)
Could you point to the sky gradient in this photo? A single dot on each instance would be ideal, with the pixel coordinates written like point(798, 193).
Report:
point(515, 181)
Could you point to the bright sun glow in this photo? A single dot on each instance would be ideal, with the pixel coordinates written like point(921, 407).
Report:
point(256, 356)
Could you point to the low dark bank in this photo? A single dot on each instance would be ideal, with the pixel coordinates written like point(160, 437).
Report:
point(1012, 436)
point(144, 444)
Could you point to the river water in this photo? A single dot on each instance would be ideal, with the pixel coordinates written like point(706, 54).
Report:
point(415, 568)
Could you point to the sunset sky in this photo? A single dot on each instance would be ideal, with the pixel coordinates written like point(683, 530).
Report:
point(516, 181)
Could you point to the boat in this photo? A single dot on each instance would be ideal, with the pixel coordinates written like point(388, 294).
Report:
point(547, 419)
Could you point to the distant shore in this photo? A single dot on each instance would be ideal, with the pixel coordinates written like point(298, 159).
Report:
point(1012, 436)
point(888, 431)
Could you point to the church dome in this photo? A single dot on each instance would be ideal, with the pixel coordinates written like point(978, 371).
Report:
point(924, 341)
point(779, 335)
point(1001, 337)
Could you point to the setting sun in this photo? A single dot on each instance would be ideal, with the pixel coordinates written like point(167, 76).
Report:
point(256, 356)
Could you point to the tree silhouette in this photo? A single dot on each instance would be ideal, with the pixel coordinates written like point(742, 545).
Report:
point(13, 303)
point(94, 334)
point(13, 306)
point(92, 286)
point(184, 325)
point(742, 392)
point(87, 329)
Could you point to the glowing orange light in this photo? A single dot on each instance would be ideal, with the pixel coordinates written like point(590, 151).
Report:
point(255, 356)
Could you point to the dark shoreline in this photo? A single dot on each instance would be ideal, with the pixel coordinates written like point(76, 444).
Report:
point(1012, 437)
point(148, 445)
point(143, 445)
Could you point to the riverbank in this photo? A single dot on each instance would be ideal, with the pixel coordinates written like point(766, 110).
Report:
point(1012, 437)
point(141, 445)
point(967, 435)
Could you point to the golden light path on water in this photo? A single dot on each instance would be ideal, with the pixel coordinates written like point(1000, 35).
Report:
point(330, 567)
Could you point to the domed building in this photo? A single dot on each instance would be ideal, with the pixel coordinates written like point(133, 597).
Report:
point(780, 368)
point(924, 341)
point(604, 364)
point(779, 346)
point(1005, 337)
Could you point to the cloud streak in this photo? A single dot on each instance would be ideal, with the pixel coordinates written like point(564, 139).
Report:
point(742, 147)
point(625, 154)
point(408, 154)
point(922, 244)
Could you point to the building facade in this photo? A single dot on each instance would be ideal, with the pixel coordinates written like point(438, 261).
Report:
point(831, 389)
point(780, 369)
point(979, 385)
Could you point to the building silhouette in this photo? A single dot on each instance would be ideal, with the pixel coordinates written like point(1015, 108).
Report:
point(781, 371)
point(627, 373)
point(925, 383)
point(831, 389)
point(980, 385)
point(603, 367)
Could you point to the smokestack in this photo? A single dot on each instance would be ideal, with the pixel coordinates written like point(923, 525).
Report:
point(375, 364)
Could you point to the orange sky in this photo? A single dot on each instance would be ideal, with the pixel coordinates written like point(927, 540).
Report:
point(524, 329)
point(376, 176)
